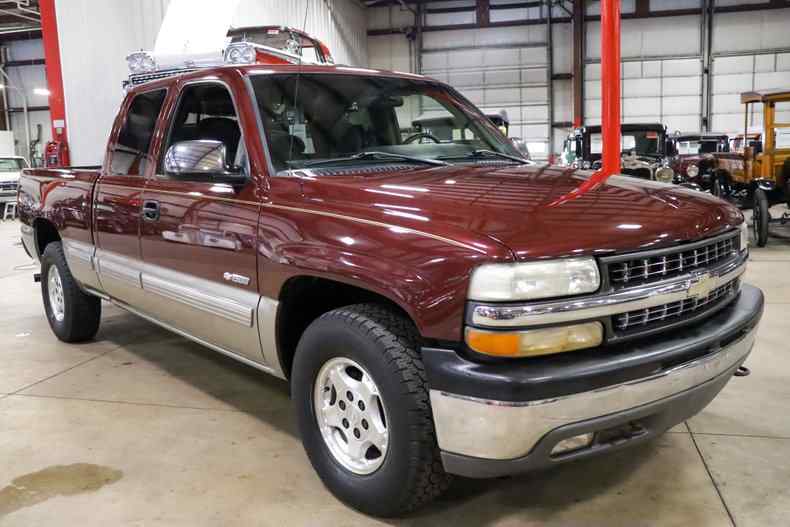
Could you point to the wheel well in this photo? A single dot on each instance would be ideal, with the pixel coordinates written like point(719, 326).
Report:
point(45, 233)
point(305, 298)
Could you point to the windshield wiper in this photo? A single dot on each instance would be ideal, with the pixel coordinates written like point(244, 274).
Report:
point(366, 156)
point(482, 154)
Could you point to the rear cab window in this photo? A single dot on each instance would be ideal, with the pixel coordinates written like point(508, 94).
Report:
point(129, 154)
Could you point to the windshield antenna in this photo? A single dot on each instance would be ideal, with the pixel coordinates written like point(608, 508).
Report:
point(296, 87)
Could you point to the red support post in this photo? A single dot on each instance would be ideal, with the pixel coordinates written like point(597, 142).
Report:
point(610, 87)
point(57, 102)
point(610, 101)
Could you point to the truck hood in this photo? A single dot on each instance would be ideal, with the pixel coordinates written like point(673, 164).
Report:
point(516, 206)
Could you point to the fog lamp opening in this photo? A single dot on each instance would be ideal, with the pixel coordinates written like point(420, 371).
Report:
point(572, 444)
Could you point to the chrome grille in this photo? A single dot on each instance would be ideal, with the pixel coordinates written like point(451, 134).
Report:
point(674, 311)
point(8, 186)
point(638, 271)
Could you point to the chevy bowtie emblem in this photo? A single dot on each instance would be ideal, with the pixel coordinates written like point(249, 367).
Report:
point(701, 286)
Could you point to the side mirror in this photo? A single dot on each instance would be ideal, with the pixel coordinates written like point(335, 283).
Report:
point(203, 158)
point(521, 146)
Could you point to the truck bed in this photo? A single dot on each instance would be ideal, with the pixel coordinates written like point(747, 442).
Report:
point(61, 196)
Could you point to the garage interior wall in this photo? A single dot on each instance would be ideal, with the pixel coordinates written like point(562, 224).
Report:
point(27, 79)
point(662, 69)
point(94, 67)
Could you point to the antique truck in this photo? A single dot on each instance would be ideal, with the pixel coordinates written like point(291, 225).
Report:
point(757, 171)
point(440, 126)
point(432, 309)
point(695, 158)
point(647, 151)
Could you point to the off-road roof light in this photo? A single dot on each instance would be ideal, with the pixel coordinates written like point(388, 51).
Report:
point(141, 62)
point(240, 53)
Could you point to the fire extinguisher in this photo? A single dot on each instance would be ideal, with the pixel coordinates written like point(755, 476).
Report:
point(56, 154)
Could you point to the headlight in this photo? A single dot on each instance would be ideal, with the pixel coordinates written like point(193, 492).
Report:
point(665, 175)
point(141, 62)
point(744, 236)
point(534, 280)
point(692, 171)
point(240, 53)
point(534, 342)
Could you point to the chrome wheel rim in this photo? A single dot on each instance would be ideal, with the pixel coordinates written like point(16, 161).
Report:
point(351, 415)
point(55, 288)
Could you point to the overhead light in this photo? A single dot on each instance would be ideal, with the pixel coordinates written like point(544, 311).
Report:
point(42, 91)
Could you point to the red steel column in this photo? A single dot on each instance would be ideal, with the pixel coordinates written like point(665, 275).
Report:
point(57, 102)
point(610, 102)
point(610, 87)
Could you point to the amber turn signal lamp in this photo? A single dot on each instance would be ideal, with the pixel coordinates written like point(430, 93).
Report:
point(535, 342)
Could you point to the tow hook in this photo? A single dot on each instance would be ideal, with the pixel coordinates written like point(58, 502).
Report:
point(742, 371)
point(37, 277)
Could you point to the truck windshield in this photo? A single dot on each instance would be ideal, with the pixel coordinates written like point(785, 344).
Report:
point(640, 143)
point(330, 117)
point(11, 164)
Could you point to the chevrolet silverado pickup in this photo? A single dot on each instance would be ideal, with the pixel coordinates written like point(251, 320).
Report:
point(435, 307)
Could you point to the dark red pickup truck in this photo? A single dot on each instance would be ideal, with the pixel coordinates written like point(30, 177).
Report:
point(433, 308)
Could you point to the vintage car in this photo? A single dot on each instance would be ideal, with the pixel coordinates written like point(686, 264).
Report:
point(10, 170)
point(431, 310)
point(245, 45)
point(441, 126)
point(757, 170)
point(695, 160)
point(646, 148)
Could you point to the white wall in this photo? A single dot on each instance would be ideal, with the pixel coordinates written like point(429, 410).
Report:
point(96, 36)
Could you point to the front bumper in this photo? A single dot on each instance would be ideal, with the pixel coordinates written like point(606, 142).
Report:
point(505, 418)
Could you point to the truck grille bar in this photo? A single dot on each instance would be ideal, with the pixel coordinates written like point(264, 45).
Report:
point(638, 271)
point(674, 311)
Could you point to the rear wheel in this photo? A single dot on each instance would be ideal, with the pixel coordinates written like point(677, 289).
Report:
point(760, 217)
point(73, 315)
point(364, 412)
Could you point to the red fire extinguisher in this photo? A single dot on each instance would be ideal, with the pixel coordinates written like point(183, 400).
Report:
point(56, 154)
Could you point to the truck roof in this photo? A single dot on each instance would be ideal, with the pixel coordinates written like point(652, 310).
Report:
point(765, 96)
point(631, 127)
point(167, 78)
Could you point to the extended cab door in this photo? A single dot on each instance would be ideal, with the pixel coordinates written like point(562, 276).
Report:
point(119, 192)
point(199, 233)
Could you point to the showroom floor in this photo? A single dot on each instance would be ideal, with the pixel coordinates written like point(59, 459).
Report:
point(142, 427)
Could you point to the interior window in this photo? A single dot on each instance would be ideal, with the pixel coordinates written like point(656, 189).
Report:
point(206, 112)
point(129, 154)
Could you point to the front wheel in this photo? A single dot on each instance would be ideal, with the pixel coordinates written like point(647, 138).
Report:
point(73, 315)
point(760, 217)
point(364, 412)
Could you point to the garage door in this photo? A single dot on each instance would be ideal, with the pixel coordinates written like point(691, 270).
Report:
point(497, 69)
point(657, 91)
point(735, 75)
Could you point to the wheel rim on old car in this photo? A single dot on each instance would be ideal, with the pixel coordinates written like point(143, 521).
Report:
point(55, 288)
point(351, 416)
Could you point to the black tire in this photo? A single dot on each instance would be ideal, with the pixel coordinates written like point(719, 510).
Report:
point(81, 312)
point(385, 344)
point(760, 218)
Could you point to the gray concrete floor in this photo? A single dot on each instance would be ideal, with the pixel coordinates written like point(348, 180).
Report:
point(141, 427)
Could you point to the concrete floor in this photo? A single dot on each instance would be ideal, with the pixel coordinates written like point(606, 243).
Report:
point(142, 427)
